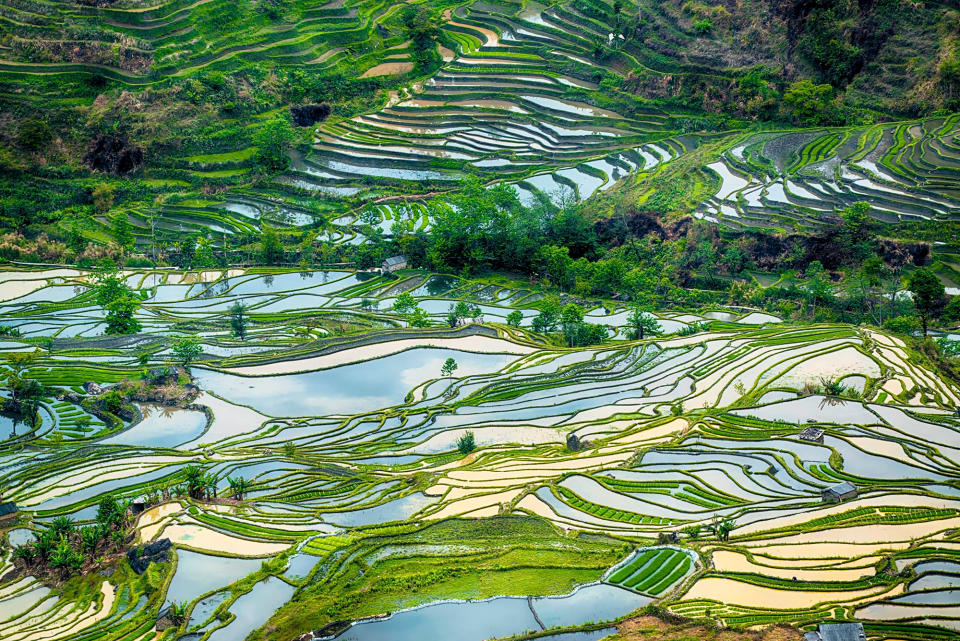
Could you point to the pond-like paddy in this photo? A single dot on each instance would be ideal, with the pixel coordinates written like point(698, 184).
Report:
point(498, 617)
point(349, 388)
point(162, 426)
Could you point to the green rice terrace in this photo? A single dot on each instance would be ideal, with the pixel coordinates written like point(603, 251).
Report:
point(473, 480)
point(466, 320)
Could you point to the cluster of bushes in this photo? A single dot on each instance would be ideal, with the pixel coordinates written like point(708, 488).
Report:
point(65, 548)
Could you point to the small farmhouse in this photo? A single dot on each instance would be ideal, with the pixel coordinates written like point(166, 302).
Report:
point(840, 492)
point(394, 263)
point(8, 513)
point(812, 434)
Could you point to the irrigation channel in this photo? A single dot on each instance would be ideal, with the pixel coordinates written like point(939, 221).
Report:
point(691, 488)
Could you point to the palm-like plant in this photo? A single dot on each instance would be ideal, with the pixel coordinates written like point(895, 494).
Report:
point(195, 481)
point(25, 552)
point(43, 543)
point(239, 486)
point(178, 611)
point(65, 557)
point(90, 538)
point(210, 485)
point(62, 526)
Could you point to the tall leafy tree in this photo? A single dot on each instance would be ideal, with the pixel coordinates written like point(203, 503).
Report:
point(187, 349)
point(118, 301)
point(928, 294)
point(238, 320)
point(272, 140)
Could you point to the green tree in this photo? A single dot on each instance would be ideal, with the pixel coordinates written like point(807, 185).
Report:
point(951, 312)
point(122, 232)
point(449, 366)
point(90, 538)
point(25, 392)
point(703, 27)
point(418, 317)
point(549, 316)
point(928, 293)
point(818, 285)
point(571, 320)
point(35, 134)
point(62, 526)
point(422, 26)
point(272, 140)
point(271, 249)
point(187, 349)
point(404, 303)
point(555, 263)
point(238, 321)
point(869, 275)
point(641, 323)
point(178, 612)
point(514, 318)
point(195, 480)
point(118, 301)
point(458, 312)
point(692, 531)
point(102, 196)
point(809, 104)
point(109, 513)
point(203, 253)
point(120, 317)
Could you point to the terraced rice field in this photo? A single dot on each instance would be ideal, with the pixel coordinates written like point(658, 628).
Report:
point(350, 448)
point(690, 488)
point(522, 97)
point(792, 180)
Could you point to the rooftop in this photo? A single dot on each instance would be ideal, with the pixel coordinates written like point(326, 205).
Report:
point(837, 632)
point(811, 433)
point(842, 488)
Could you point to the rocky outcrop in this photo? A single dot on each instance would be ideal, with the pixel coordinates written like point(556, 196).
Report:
point(113, 155)
point(92, 388)
point(157, 552)
point(307, 115)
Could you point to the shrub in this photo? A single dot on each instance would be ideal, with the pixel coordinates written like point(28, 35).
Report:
point(703, 26)
point(466, 443)
point(902, 324)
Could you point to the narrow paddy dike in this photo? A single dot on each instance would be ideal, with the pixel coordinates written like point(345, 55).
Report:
point(687, 484)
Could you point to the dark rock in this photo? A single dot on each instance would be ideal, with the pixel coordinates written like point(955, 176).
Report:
point(156, 552)
point(113, 155)
point(332, 629)
point(306, 115)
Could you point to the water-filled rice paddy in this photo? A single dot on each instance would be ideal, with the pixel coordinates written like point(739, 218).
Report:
point(349, 445)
